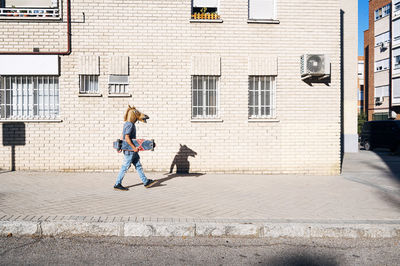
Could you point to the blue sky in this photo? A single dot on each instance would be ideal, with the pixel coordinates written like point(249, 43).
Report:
point(362, 24)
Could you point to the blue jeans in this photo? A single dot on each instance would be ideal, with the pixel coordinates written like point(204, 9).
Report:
point(131, 158)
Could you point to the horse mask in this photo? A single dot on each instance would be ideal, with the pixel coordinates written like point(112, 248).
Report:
point(133, 115)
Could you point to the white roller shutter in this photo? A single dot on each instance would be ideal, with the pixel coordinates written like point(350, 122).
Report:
point(205, 3)
point(396, 88)
point(396, 29)
point(261, 9)
point(29, 65)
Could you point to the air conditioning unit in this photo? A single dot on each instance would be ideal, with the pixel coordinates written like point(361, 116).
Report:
point(378, 100)
point(315, 65)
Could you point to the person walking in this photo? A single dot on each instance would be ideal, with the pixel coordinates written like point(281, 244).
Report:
point(132, 115)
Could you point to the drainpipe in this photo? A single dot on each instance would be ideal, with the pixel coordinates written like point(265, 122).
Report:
point(67, 52)
point(390, 62)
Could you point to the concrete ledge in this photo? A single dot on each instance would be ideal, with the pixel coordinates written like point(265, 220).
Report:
point(201, 229)
point(159, 229)
point(19, 228)
point(233, 229)
point(332, 230)
point(80, 228)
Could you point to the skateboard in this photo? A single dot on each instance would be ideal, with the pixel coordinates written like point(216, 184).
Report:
point(141, 144)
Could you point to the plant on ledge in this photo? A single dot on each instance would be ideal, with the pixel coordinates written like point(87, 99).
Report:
point(203, 14)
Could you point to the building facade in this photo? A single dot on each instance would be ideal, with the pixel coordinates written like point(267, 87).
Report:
point(219, 80)
point(382, 47)
point(360, 85)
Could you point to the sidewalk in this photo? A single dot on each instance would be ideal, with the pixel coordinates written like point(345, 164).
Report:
point(363, 202)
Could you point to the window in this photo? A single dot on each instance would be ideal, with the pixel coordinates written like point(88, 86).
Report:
point(397, 61)
point(382, 91)
point(262, 9)
point(29, 97)
point(205, 96)
point(396, 29)
point(382, 38)
point(396, 5)
point(382, 65)
point(118, 84)
point(382, 12)
point(205, 9)
point(29, 9)
point(396, 88)
point(89, 84)
point(361, 93)
point(261, 96)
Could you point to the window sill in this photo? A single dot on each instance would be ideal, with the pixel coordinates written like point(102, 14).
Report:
point(263, 21)
point(55, 19)
point(263, 120)
point(90, 95)
point(396, 75)
point(31, 120)
point(206, 120)
point(119, 95)
point(206, 21)
point(377, 71)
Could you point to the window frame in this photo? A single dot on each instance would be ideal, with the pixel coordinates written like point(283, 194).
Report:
point(31, 13)
point(89, 92)
point(40, 100)
point(274, 17)
point(259, 106)
point(396, 62)
point(204, 106)
point(115, 84)
point(207, 17)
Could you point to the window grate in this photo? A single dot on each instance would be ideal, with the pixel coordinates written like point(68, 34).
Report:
point(261, 97)
point(29, 97)
point(89, 84)
point(205, 96)
point(118, 84)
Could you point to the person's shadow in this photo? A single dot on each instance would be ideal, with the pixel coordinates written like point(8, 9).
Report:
point(182, 164)
point(181, 160)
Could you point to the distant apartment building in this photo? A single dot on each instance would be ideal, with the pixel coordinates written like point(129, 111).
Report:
point(360, 85)
point(229, 85)
point(382, 60)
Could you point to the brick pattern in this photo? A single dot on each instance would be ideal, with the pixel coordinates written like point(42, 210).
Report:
point(369, 46)
point(160, 42)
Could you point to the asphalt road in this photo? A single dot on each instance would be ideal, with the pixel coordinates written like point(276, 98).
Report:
point(197, 251)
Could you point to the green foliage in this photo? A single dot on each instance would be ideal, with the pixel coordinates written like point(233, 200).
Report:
point(362, 118)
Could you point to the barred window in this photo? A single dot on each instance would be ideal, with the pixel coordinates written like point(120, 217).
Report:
point(89, 84)
point(29, 97)
point(261, 97)
point(205, 96)
point(118, 84)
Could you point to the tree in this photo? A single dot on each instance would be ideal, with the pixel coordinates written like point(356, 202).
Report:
point(362, 118)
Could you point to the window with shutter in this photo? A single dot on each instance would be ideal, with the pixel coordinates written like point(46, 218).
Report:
point(262, 9)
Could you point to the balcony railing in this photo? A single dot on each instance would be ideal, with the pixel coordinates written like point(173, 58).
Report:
point(208, 16)
point(29, 13)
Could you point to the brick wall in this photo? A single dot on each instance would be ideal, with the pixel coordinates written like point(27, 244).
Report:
point(370, 42)
point(160, 42)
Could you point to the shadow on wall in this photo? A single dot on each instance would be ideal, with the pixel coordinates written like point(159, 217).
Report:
point(14, 135)
point(181, 160)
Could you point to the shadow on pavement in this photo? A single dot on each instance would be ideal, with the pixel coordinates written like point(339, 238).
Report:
point(390, 171)
point(301, 259)
point(167, 178)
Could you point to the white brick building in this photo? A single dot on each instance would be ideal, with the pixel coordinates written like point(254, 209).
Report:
point(167, 58)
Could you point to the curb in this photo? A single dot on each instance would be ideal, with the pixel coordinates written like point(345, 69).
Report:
point(200, 229)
